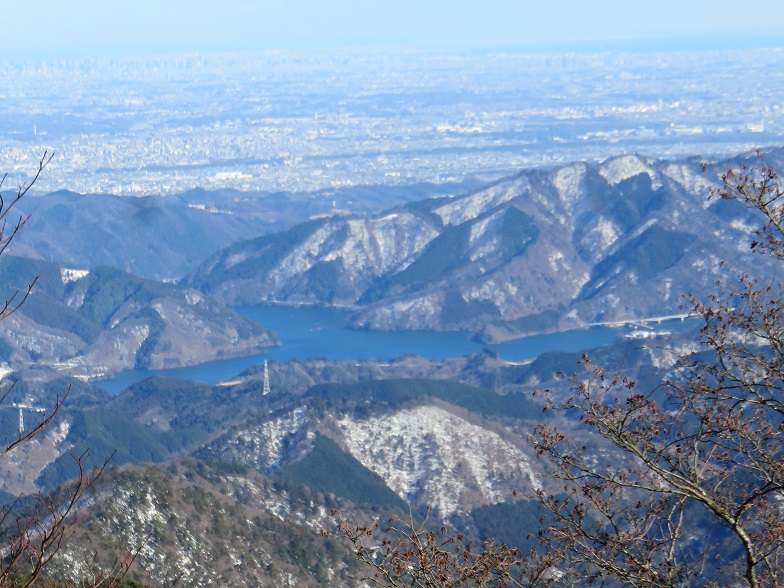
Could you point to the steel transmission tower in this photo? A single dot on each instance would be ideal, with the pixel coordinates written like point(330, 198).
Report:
point(266, 379)
point(22, 408)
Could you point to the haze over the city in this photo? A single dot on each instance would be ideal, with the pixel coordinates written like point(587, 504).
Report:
point(146, 26)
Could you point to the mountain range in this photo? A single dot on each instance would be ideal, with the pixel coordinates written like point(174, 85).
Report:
point(545, 250)
point(229, 485)
point(167, 237)
point(221, 484)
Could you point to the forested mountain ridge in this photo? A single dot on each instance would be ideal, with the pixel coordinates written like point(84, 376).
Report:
point(167, 237)
point(95, 323)
point(543, 250)
point(350, 436)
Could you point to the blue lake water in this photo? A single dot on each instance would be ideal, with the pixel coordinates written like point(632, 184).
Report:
point(307, 332)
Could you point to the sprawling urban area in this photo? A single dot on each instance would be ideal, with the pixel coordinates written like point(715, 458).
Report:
point(304, 121)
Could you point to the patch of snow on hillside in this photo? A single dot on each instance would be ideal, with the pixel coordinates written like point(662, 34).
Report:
point(694, 183)
point(502, 293)
point(276, 431)
point(365, 246)
point(567, 181)
point(469, 207)
point(193, 297)
point(76, 299)
point(663, 358)
point(121, 343)
point(622, 168)
point(642, 228)
point(581, 281)
point(60, 432)
point(301, 258)
point(235, 259)
point(5, 370)
point(263, 446)
point(606, 233)
point(667, 288)
point(485, 249)
point(159, 308)
point(484, 238)
point(707, 263)
point(375, 246)
point(412, 313)
point(428, 455)
point(480, 228)
point(744, 227)
point(71, 275)
point(357, 250)
point(140, 333)
point(554, 260)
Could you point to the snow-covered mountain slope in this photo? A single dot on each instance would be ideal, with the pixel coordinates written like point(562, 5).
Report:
point(543, 250)
point(431, 456)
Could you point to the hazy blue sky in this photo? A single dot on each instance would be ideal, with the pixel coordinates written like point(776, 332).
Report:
point(175, 25)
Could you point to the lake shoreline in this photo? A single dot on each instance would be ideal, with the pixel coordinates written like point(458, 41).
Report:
point(307, 332)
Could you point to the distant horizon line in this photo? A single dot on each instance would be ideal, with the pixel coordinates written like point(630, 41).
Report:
point(665, 44)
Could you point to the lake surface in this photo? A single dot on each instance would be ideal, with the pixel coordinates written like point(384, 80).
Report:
point(307, 332)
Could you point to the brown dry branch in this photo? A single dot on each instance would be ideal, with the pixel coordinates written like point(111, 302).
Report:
point(408, 553)
point(703, 499)
point(22, 437)
point(9, 231)
point(31, 535)
point(39, 531)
